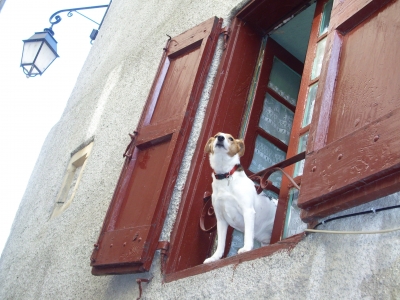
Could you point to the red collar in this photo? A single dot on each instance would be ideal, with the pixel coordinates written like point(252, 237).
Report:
point(227, 175)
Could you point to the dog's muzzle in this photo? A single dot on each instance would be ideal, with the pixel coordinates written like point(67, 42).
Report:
point(220, 141)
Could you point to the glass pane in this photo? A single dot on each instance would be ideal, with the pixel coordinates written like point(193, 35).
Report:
point(284, 81)
point(30, 51)
point(253, 88)
point(31, 69)
point(293, 223)
point(326, 17)
point(238, 242)
point(298, 169)
point(265, 155)
point(317, 65)
point(276, 119)
point(312, 93)
point(270, 194)
point(44, 58)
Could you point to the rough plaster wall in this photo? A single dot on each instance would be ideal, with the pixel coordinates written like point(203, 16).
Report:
point(49, 258)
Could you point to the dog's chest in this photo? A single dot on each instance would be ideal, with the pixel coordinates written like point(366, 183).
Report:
point(227, 203)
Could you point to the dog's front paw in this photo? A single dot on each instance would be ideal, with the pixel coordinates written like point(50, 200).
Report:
point(243, 250)
point(210, 259)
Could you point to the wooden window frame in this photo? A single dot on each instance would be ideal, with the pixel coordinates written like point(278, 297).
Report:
point(231, 87)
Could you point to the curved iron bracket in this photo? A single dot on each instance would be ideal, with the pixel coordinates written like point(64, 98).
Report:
point(55, 18)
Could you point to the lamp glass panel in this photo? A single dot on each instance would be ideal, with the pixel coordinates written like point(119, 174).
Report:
point(30, 51)
point(45, 58)
point(31, 70)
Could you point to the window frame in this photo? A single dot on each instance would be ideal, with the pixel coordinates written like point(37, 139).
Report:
point(248, 28)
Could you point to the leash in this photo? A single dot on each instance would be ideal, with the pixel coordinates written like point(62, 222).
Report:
point(290, 178)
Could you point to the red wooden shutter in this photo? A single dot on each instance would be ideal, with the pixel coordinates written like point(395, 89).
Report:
point(353, 154)
point(136, 214)
point(189, 244)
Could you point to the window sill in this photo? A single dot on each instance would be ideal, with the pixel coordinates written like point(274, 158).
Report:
point(286, 244)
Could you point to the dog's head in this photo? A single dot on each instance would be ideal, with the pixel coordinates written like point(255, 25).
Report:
point(224, 143)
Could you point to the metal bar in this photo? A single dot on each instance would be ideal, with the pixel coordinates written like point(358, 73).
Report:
point(69, 10)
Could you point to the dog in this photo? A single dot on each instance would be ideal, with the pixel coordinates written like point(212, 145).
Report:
point(234, 197)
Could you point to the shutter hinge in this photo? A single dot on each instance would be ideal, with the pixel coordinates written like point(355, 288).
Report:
point(226, 31)
point(129, 149)
point(139, 282)
point(167, 44)
point(164, 247)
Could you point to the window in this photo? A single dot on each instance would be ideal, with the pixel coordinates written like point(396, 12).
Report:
point(272, 58)
point(72, 177)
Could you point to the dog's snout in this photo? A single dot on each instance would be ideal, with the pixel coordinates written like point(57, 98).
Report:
point(221, 138)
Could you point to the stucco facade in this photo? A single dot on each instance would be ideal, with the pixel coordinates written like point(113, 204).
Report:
point(48, 258)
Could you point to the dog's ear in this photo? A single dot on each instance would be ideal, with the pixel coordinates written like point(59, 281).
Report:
point(240, 144)
point(208, 148)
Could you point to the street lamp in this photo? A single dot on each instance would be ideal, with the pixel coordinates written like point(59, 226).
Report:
point(40, 50)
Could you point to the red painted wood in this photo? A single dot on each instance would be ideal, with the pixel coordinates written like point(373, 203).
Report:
point(285, 245)
point(136, 214)
point(265, 15)
point(346, 167)
point(367, 81)
point(348, 14)
point(190, 245)
point(356, 160)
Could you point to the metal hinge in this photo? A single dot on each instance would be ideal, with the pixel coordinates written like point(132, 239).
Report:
point(164, 247)
point(139, 282)
point(226, 31)
point(129, 149)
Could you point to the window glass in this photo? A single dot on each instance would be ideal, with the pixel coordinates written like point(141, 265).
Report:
point(265, 155)
point(293, 223)
point(253, 88)
point(284, 81)
point(276, 119)
point(238, 242)
point(298, 169)
point(317, 65)
point(326, 17)
point(312, 93)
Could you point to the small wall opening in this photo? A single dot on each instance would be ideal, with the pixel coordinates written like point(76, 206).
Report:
point(72, 177)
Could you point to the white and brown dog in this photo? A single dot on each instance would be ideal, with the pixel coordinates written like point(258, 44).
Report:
point(234, 198)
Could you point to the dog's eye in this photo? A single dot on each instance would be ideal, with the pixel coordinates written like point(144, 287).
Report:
point(231, 139)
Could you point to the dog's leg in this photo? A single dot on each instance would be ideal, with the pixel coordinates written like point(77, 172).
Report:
point(249, 216)
point(222, 228)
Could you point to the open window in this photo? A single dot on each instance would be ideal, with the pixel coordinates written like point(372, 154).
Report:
point(345, 119)
point(265, 94)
